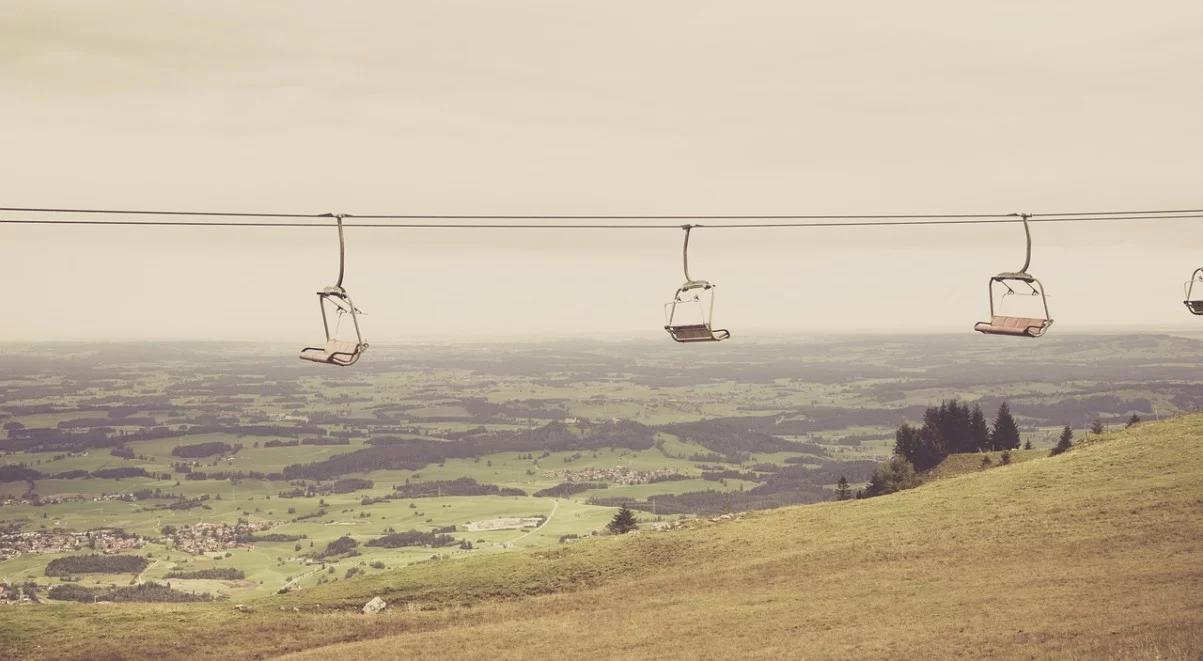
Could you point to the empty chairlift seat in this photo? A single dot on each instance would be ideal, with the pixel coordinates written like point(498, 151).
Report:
point(999, 325)
point(694, 300)
point(335, 352)
point(999, 289)
point(697, 333)
point(688, 316)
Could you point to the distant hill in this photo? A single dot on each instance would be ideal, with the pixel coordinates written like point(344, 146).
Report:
point(1097, 553)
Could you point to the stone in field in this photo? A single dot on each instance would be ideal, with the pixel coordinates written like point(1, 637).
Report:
point(374, 606)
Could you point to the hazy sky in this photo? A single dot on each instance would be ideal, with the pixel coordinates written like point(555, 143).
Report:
point(603, 107)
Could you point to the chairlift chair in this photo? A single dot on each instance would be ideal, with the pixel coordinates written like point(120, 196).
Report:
point(697, 294)
point(1195, 305)
point(335, 351)
point(1016, 326)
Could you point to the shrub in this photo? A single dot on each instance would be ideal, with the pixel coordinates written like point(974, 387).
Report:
point(895, 475)
point(339, 546)
point(1064, 443)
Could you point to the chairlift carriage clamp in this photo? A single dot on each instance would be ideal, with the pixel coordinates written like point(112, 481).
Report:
point(692, 292)
point(343, 353)
point(1018, 326)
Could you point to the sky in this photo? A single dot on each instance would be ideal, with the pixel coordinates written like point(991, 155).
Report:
point(616, 107)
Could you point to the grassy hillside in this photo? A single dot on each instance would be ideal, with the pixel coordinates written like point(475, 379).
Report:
point(1097, 553)
point(961, 464)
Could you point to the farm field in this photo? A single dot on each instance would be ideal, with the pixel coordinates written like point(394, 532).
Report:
point(240, 460)
point(1051, 557)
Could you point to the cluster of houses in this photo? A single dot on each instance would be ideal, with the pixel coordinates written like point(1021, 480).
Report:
point(101, 540)
point(617, 475)
point(58, 499)
point(211, 537)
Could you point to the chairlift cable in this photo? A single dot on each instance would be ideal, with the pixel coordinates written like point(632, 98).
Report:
point(652, 216)
point(929, 220)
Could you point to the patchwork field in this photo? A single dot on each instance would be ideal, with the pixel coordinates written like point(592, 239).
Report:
point(212, 457)
point(1093, 554)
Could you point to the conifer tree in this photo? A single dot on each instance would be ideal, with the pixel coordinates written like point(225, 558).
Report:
point(979, 433)
point(1135, 419)
point(923, 448)
point(1097, 427)
point(958, 428)
point(1064, 443)
point(1005, 435)
point(623, 522)
point(932, 448)
point(842, 490)
point(906, 442)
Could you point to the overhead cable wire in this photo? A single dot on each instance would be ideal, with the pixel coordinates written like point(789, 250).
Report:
point(570, 217)
point(146, 212)
point(926, 220)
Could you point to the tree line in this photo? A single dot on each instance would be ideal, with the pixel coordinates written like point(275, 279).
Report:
point(413, 538)
point(96, 564)
point(953, 427)
point(142, 593)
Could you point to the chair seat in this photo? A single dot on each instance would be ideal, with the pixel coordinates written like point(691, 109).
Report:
point(1021, 326)
point(696, 333)
point(335, 352)
point(1195, 307)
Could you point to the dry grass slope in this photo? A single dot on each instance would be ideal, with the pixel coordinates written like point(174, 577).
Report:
point(1094, 554)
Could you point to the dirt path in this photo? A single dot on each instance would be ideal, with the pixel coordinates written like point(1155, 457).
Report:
point(142, 577)
point(289, 584)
